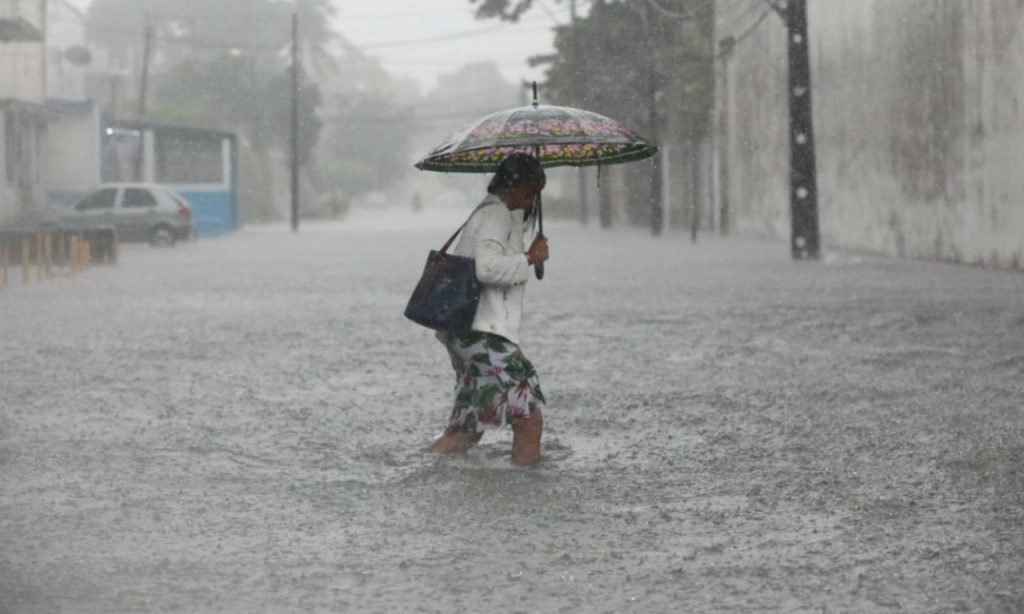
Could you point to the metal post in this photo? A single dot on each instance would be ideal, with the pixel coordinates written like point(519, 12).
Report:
point(146, 51)
point(113, 95)
point(695, 189)
point(25, 264)
point(583, 191)
point(725, 53)
point(654, 121)
point(295, 122)
point(604, 197)
point(805, 241)
point(538, 269)
point(40, 257)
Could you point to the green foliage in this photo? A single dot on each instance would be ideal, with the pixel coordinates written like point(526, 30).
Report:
point(117, 25)
point(246, 89)
point(503, 9)
point(225, 64)
point(365, 145)
point(624, 57)
point(278, 102)
point(223, 92)
point(180, 25)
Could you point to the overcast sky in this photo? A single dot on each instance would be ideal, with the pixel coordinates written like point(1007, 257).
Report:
point(423, 38)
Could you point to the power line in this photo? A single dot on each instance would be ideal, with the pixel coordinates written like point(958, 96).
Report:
point(742, 11)
point(544, 7)
point(727, 10)
point(205, 43)
point(736, 40)
point(408, 119)
point(435, 39)
point(667, 13)
point(399, 15)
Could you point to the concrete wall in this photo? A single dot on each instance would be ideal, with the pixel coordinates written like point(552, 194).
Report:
point(22, 74)
point(23, 81)
point(918, 123)
point(751, 127)
point(23, 63)
point(30, 11)
point(65, 30)
point(73, 153)
point(8, 197)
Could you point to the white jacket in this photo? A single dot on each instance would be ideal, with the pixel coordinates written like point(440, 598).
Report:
point(494, 238)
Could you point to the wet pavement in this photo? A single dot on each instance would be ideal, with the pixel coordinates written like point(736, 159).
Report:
point(235, 425)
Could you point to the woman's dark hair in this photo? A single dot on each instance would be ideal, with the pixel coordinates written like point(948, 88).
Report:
point(516, 169)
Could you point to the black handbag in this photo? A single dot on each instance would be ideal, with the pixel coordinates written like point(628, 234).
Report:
point(448, 291)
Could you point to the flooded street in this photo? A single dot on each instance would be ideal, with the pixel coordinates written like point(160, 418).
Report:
point(236, 425)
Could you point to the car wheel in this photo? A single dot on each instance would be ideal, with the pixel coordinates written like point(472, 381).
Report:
point(162, 236)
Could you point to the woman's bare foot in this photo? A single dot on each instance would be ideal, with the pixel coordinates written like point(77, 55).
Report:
point(526, 439)
point(454, 443)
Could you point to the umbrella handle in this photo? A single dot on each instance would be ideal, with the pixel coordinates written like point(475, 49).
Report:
point(538, 269)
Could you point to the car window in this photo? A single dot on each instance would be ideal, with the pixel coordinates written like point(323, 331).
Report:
point(138, 197)
point(100, 199)
point(176, 197)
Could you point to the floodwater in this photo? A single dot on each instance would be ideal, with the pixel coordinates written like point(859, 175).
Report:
point(235, 425)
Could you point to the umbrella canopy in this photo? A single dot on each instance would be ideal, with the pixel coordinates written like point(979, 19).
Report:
point(558, 136)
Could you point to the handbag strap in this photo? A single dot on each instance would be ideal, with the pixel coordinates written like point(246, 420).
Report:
point(431, 277)
point(447, 244)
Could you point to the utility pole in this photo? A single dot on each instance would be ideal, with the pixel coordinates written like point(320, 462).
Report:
point(725, 51)
point(584, 195)
point(295, 122)
point(805, 241)
point(147, 48)
point(114, 79)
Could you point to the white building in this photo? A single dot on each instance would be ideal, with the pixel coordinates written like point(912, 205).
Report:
point(23, 112)
point(68, 57)
point(72, 157)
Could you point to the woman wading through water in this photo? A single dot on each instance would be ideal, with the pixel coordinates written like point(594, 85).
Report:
point(495, 383)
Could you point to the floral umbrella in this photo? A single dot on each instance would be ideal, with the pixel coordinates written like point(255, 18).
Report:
point(557, 136)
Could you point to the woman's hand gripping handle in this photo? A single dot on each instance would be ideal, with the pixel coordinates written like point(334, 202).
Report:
point(538, 254)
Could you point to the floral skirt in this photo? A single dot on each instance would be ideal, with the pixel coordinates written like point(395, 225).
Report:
point(495, 384)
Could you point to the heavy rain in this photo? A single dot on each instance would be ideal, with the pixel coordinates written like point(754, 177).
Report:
point(769, 354)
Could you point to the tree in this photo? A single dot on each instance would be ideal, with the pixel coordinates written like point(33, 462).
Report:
point(319, 43)
point(509, 10)
point(183, 26)
point(646, 63)
point(365, 146)
point(223, 93)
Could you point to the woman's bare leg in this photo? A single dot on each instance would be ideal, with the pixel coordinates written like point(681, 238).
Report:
point(526, 439)
point(451, 443)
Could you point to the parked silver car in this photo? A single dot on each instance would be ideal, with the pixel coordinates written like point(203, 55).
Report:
point(137, 211)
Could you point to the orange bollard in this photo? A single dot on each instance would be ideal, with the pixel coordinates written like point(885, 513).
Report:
point(39, 256)
point(73, 253)
point(24, 261)
point(48, 254)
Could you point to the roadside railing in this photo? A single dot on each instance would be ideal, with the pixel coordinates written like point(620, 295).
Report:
point(52, 251)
